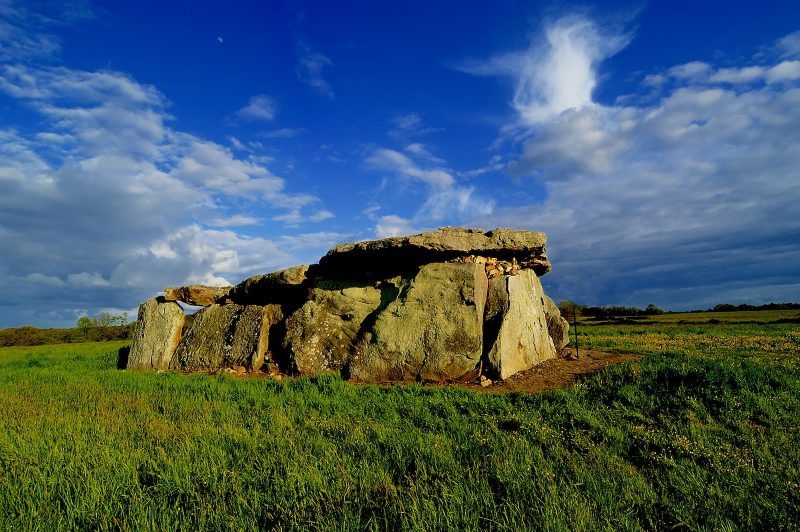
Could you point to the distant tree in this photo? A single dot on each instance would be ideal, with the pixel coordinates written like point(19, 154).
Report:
point(85, 326)
point(569, 310)
point(652, 309)
point(119, 320)
point(103, 324)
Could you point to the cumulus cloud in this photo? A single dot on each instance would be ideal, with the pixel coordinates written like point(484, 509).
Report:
point(686, 201)
point(103, 204)
point(192, 254)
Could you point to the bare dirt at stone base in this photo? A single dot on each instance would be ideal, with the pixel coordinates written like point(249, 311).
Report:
point(555, 373)
point(551, 374)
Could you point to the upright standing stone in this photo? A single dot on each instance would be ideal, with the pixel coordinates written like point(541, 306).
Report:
point(320, 335)
point(227, 335)
point(433, 330)
point(522, 339)
point(557, 326)
point(157, 333)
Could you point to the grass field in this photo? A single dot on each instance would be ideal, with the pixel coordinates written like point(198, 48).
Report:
point(746, 316)
point(701, 433)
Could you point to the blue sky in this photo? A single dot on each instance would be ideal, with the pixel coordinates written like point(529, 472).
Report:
point(149, 144)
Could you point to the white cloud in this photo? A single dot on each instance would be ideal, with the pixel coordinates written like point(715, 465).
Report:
point(784, 71)
point(211, 166)
point(393, 225)
point(457, 202)
point(191, 254)
point(401, 165)
point(295, 217)
point(737, 75)
point(87, 280)
point(696, 189)
point(320, 241)
point(496, 164)
point(310, 67)
point(789, 45)
point(689, 70)
point(410, 125)
point(557, 73)
point(17, 45)
point(321, 216)
point(237, 220)
point(260, 107)
point(418, 149)
point(282, 133)
point(445, 199)
point(103, 201)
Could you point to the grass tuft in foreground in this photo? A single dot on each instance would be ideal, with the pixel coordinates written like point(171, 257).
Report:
point(700, 435)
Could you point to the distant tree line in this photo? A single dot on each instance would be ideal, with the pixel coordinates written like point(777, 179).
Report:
point(571, 310)
point(726, 307)
point(102, 327)
point(604, 313)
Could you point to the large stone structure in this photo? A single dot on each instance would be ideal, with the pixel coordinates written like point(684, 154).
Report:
point(449, 304)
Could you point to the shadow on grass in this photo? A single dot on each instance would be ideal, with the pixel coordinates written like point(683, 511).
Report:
point(122, 357)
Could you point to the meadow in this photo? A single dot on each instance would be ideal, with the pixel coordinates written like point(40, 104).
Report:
point(701, 432)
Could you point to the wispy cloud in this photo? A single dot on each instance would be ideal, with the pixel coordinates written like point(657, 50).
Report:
point(410, 125)
point(445, 199)
point(401, 165)
point(236, 220)
point(282, 133)
point(310, 68)
point(789, 46)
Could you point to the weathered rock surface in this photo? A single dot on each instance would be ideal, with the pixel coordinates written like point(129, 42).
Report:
point(320, 335)
point(557, 326)
point(198, 295)
point(393, 255)
point(448, 304)
point(433, 330)
point(157, 333)
point(278, 287)
point(226, 336)
point(522, 339)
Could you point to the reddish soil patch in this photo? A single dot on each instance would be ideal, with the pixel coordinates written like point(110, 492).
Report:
point(555, 373)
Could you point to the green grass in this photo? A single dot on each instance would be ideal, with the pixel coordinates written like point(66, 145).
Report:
point(701, 433)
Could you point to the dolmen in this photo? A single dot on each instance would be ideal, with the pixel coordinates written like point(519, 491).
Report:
point(451, 304)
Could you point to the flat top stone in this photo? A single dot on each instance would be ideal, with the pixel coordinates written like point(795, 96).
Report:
point(446, 243)
point(458, 239)
point(272, 287)
point(197, 294)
